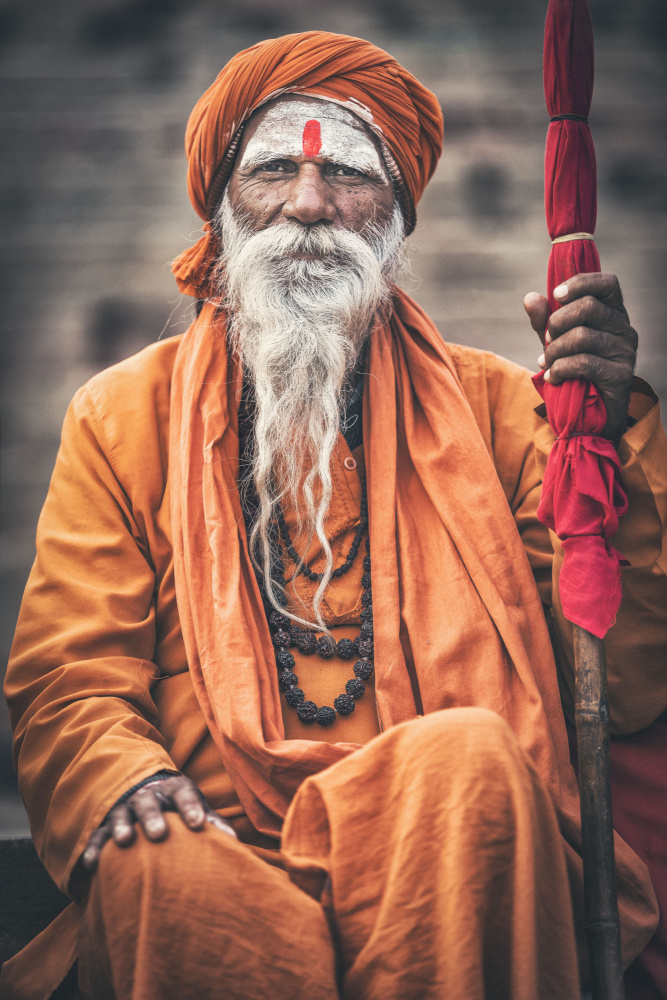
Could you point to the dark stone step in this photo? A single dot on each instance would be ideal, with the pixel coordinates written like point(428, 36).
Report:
point(29, 899)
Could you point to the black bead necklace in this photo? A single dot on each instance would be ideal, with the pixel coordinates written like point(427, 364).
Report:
point(349, 559)
point(286, 633)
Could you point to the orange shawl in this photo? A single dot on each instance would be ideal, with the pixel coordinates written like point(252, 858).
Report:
point(404, 115)
point(457, 616)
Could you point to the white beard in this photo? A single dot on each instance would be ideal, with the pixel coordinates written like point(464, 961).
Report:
point(299, 326)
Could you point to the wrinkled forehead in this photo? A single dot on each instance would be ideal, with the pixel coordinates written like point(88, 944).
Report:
point(311, 128)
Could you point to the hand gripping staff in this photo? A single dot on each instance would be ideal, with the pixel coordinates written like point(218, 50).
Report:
point(582, 496)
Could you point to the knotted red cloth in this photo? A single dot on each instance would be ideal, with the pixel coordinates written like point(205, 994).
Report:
point(582, 494)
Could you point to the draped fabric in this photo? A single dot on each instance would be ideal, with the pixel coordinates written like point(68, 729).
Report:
point(457, 617)
point(582, 500)
point(582, 495)
point(401, 112)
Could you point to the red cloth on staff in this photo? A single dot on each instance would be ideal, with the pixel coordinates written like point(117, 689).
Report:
point(582, 495)
point(582, 500)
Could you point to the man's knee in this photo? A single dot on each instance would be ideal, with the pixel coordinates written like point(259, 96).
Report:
point(205, 916)
point(464, 734)
point(183, 858)
point(466, 754)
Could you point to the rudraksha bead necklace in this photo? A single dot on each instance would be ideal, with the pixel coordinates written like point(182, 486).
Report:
point(349, 559)
point(285, 633)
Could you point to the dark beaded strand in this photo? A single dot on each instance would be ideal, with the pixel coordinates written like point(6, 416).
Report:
point(345, 649)
point(349, 559)
point(307, 711)
point(344, 704)
point(363, 669)
point(325, 716)
point(326, 647)
point(284, 659)
point(284, 631)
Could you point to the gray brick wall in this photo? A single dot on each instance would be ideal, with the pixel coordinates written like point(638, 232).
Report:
point(94, 206)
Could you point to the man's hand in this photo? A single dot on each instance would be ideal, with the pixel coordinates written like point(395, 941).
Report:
point(589, 337)
point(177, 794)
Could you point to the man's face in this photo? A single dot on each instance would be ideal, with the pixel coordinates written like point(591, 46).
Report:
point(309, 161)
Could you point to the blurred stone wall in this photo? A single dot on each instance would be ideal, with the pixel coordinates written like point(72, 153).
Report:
point(96, 94)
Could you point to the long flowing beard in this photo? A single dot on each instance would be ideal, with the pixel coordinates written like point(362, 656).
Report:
point(298, 326)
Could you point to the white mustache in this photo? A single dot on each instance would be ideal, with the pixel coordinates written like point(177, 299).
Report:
point(284, 242)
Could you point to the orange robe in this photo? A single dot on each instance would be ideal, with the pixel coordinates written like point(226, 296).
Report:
point(99, 688)
point(476, 907)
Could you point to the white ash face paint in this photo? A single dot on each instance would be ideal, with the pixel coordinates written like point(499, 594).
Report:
point(359, 110)
point(323, 130)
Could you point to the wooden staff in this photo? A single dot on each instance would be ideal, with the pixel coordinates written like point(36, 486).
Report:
point(603, 932)
point(571, 206)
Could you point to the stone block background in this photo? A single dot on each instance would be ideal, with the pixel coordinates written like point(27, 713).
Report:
point(96, 94)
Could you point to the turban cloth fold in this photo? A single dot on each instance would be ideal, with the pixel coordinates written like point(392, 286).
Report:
point(404, 115)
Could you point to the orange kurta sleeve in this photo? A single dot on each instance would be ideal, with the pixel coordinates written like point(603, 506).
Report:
point(80, 675)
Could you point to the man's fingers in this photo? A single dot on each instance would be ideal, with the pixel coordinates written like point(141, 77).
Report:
point(121, 822)
point(537, 308)
point(98, 839)
point(592, 312)
point(147, 808)
point(602, 286)
point(612, 378)
point(600, 371)
point(189, 806)
point(184, 796)
point(583, 340)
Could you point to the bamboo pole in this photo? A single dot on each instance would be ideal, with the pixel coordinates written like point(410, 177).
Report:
point(603, 932)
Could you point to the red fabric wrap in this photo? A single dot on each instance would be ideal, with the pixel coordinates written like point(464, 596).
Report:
point(582, 495)
point(582, 500)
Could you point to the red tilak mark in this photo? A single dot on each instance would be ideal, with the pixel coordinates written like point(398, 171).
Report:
point(312, 138)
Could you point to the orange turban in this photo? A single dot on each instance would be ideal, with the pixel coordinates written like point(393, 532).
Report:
point(404, 115)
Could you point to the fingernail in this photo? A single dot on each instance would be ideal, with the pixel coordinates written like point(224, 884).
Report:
point(194, 816)
point(89, 855)
point(547, 375)
point(560, 292)
point(541, 361)
point(547, 337)
point(153, 825)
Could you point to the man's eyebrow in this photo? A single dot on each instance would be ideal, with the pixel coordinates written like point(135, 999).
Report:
point(262, 156)
point(253, 160)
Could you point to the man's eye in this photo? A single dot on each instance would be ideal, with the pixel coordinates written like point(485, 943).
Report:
point(341, 171)
point(274, 167)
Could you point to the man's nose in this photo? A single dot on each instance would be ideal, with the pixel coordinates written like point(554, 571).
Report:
point(310, 199)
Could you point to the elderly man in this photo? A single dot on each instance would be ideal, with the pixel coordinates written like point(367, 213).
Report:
point(287, 716)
